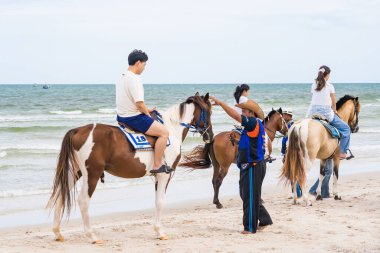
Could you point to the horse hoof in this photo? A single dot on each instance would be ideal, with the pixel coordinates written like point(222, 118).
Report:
point(164, 238)
point(219, 206)
point(319, 197)
point(337, 198)
point(97, 242)
point(59, 239)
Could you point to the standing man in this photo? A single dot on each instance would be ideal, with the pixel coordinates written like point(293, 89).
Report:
point(250, 161)
point(132, 111)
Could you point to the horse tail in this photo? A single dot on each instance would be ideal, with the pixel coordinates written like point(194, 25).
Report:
point(66, 165)
point(293, 168)
point(199, 157)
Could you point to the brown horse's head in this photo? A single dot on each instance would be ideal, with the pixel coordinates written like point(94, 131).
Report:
point(275, 122)
point(201, 122)
point(348, 108)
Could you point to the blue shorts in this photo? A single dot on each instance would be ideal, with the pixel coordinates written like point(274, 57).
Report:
point(140, 123)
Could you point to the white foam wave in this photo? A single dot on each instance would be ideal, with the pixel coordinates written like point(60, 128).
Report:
point(25, 192)
point(3, 154)
point(107, 110)
point(372, 131)
point(76, 112)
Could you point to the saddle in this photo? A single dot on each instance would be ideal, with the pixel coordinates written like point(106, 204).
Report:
point(332, 130)
point(140, 141)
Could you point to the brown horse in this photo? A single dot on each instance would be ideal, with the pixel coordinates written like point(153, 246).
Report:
point(223, 151)
point(309, 140)
point(90, 150)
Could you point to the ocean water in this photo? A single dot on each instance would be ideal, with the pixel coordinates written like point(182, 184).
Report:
point(33, 122)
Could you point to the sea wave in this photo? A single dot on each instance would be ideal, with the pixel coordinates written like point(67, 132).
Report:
point(3, 154)
point(76, 112)
point(23, 192)
point(107, 110)
point(22, 129)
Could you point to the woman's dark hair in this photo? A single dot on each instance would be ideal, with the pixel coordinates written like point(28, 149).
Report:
point(320, 80)
point(239, 90)
point(135, 56)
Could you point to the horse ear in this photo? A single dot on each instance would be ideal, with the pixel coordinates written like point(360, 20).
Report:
point(196, 94)
point(356, 99)
point(272, 109)
point(207, 97)
point(280, 110)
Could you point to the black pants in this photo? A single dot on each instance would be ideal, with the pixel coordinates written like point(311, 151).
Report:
point(250, 183)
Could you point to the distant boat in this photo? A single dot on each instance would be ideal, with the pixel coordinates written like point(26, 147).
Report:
point(46, 86)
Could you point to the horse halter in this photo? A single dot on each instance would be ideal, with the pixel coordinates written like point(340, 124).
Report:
point(195, 128)
point(283, 125)
point(356, 114)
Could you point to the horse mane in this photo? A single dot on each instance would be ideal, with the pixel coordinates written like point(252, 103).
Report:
point(269, 115)
point(198, 100)
point(343, 100)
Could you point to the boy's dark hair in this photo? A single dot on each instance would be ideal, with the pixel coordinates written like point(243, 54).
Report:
point(135, 56)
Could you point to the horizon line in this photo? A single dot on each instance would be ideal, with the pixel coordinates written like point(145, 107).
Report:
point(260, 83)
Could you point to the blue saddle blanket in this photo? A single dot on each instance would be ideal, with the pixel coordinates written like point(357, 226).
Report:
point(138, 140)
point(332, 130)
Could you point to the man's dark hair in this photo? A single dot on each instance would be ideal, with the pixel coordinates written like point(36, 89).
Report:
point(135, 56)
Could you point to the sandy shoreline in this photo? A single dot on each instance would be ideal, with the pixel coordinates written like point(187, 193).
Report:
point(349, 225)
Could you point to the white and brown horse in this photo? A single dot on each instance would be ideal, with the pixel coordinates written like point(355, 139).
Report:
point(309, 140)
point(90, 150)
point(223, 151)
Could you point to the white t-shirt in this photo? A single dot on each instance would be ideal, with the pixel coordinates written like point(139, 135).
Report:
point(129, 90)
point(242, 99)
point(322, 97)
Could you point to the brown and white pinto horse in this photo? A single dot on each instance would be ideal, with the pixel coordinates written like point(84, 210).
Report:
point(309, 140)
point(223, 151)
point(90, 150)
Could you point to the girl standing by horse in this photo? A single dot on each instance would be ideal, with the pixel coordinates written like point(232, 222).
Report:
point(323, 102)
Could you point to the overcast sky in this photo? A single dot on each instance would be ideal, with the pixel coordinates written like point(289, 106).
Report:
point(208, 41)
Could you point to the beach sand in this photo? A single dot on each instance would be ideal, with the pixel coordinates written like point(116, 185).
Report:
point(349, 225)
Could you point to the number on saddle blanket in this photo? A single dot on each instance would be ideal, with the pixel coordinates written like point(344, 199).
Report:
point(138, 140)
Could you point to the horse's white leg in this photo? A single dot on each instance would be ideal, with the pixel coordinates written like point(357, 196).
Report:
point(58, 210)
point(295, 197)
point(161, 181)
point(57, 220)
point(84, 202)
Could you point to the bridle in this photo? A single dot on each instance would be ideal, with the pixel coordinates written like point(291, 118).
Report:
point(283, 125)
point(195, 128)
point(356, 114)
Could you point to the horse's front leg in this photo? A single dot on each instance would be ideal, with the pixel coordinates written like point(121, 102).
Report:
point(161, 184)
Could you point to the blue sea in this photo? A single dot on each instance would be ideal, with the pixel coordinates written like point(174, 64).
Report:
point(34, 120)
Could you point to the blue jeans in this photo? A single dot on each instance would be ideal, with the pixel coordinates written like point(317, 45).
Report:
point(325, 192)
point(298, 189)
point(345, 131)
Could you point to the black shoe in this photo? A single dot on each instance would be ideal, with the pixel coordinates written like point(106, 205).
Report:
point(162, 169)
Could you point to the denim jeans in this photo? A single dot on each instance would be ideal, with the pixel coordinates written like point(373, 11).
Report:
point(345, 132)
point(298, 189)
point(325, 192)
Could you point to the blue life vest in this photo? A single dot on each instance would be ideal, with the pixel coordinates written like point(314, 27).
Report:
point(251, 147)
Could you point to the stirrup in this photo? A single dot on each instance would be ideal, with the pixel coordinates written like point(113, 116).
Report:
point(162, 169)
point(350, 156)
point(270, 159)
